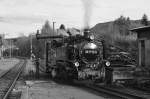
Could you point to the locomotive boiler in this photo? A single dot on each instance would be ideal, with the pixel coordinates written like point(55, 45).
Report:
point(75, 57)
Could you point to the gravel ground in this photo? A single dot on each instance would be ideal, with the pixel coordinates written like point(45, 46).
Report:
point(6, 64)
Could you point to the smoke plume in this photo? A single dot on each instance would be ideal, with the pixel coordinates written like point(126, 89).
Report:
point(87, 4)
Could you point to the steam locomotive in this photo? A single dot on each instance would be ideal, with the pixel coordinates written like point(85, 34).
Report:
point(77, 57)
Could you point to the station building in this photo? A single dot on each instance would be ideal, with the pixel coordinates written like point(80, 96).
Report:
point(143, 36)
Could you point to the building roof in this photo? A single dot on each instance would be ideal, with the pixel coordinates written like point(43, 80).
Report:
point(62, 32)
point(140, 29)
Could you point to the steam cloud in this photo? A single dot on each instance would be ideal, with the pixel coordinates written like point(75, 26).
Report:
point(87, 4)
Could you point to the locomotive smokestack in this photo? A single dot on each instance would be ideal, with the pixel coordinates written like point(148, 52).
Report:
point(86, 32)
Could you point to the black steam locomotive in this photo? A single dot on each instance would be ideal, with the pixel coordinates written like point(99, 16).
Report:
point(75, 57)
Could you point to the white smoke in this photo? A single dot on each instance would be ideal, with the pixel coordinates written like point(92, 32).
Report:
point(87, 4)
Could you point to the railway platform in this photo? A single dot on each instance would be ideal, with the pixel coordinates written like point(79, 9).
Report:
point(52, 90)
point(48, 89)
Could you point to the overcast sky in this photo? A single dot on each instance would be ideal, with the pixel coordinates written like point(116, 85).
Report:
point(19, 17)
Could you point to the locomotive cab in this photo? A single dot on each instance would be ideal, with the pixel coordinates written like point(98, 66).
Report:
point(72, 52)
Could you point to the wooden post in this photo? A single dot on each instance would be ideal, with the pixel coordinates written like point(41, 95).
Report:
point(47, 48)
point(104, 49)
point(139, 52)
point(108, 76)
point(143, 52)
point(37, 67)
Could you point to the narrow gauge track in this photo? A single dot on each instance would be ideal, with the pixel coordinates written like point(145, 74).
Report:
point(144, 89)
point(9, 78)
point(112, 93)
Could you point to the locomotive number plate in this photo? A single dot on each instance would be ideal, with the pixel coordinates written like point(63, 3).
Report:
point(90, 72)
point(87, 70)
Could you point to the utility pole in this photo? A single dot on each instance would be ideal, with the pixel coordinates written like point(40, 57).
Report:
point(2, 46)
point(10, 49)
point(31, 46)
point(53, 27)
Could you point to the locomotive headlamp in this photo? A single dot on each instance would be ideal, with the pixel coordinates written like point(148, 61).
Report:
point(76, 64)
point(107, 63)
point(91, 37)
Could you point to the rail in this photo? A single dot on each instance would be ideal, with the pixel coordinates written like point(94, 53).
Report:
point(8, 79)
point(113, 93)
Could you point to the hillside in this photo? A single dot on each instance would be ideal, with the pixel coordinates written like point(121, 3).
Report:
point(109, 28)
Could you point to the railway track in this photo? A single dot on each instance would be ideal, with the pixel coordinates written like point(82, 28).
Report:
point(112, 93)
point(142, 89)
point(8, 79)
point(145, 86)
